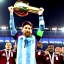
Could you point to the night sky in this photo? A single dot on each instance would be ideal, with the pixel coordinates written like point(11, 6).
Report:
point(53, 13)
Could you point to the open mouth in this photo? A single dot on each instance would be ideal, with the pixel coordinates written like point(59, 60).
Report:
point(27, 32)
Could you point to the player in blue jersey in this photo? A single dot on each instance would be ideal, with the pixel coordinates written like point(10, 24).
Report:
point(26, 42)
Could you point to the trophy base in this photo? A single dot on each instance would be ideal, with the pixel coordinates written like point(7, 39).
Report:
point(20, 13)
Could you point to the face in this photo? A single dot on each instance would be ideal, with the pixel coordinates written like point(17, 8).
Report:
point(8, 46)
point(57, 50)
point(51, 48)
point(27, 30)
point(62, 49)
point(40, 45)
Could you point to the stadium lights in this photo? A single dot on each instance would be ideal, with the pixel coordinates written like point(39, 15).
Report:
point(62, 29)
point(20, 27)
point(46, 28)
point(2, 1)
point(7, 41)
point(55, 29)
point(12, 40)
point(3, 27)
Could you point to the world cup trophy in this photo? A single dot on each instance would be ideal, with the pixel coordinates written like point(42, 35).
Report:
point(22, 8)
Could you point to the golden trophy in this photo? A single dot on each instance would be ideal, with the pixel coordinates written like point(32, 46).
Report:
point(22, 8)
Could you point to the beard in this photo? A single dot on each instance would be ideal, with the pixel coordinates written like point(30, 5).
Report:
point(51, 51)
point(8, 49)
point(27, 34)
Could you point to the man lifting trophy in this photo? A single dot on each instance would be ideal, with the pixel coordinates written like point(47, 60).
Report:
point(26, 43)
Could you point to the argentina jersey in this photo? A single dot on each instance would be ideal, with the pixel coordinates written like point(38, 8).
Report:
point(26, 50)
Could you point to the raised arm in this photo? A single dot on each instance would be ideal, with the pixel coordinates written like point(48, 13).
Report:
point(12, 25)
point(40, 30)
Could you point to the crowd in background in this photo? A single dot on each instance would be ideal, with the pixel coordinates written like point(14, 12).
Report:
point(50, 56)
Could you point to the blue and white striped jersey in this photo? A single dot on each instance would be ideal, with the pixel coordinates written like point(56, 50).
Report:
point(27, 52)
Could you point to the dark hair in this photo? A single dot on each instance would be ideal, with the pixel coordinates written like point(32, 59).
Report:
point(50, 44)
point(27, 23)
